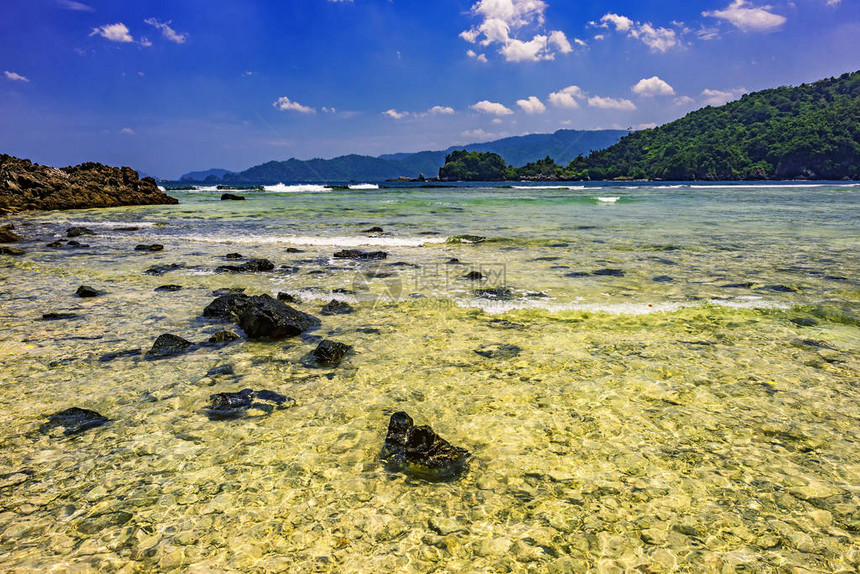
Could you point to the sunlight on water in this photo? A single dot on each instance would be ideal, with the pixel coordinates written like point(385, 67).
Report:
point(664, 382)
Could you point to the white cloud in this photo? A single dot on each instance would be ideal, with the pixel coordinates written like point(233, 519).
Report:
point(744, 16)
point(646, 126)
point(683, 100)
point(329, 110)
point(481, 134)
point(145, 42)
point(497, 121)
point(652, 86)
point(567, 97)
point(705, 33)
point(621, 23)
point(610, 103)
point(832, 2)
point(480, 57)
point(658, 39)
point(502, 20)
point(394, 114)
point(532, 105)
point(16, 77)
point(76, 6)
point(493, 108)
point(167, 31)
point(114, 32)
point(558, 39)
point(719, 97)
point(440, 111)
point(284, 104)
point(579, 42)
point(127, 131)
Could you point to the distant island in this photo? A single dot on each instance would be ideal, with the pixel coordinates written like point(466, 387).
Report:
point(807, 132)
point(564, 145)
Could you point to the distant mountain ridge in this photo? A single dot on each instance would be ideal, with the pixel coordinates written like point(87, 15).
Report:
point(563, 145)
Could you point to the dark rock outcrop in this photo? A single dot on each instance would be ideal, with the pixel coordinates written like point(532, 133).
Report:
point(373, 230)
point(474, 276)
point(608, 272)
point(498, 351)
point(26, 186)
point(87, 291)
point(335, 307)
point(232, 197)
point(287, 298)
point(223, 337)
point(360, 255)
point(168, 345)
point(11, 251)
point(159, 270)
point(149, 247)
point(9, 236)
point(58, 316)
point(233, 405)
point(420, 452)
point(233, 256)
point(250, 266)
point(78, 231)
point(260, 316)
point(330, 353)
point(168, 288)
point(499, 293)
point(74, 421)
point(466, 239)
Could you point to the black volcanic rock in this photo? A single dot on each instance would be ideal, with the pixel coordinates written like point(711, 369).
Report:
point(74, 421)
point(420, 452)
point(26, 186)
point(335, 307)
point(360, 255)
point(78, 231)
point(168, 345)
point(8, 236)
point(250, 266)
point(233, 405)
point(232, 197)
point(330, 353)
point(260, 316)
point(87, 291)
point(149, 247)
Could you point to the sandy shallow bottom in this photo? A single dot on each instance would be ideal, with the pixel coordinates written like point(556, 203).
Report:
point(708, 435)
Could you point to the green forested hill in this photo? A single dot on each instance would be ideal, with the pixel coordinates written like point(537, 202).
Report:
point(812, 130)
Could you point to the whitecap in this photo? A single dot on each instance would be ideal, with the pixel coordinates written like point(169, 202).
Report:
point(364, 186)
point(559, 187)
point(299, 188)
point(607, 199)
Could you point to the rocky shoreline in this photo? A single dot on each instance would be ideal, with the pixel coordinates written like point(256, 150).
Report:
point(27, 186)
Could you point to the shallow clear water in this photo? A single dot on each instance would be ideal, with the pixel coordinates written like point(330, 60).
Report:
point(703, 421)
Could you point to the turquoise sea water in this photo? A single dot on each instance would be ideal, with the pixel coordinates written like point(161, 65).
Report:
point(685, 396)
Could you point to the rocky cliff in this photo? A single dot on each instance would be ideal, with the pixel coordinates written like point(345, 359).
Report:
point(25, 185)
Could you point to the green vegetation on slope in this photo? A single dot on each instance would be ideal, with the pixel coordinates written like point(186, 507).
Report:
point(810, 131)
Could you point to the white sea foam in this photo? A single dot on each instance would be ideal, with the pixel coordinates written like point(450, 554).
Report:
point(316, 241)
point(496, 307)
point(788, 185)
point(607, 199)
point(106, 224)
point(550, 187)
point(300, 188)
point(363, 186)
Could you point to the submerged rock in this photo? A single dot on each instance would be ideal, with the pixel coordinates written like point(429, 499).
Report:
point(233, 405)
point(9, 236)
point(56, 244)
point(454, 261)
point(107, 357)
point(232, 197)
point(74, 421)
point(74, 243)
point(373, 230)
point(250, 266)
point(58, 316)
point(78, 231)
point(499, 293)
point(223, 337)
point(159, 270)
point(11, 251)
point(228, 291)
point(609, 272)
point(498, 351)
point(287, 298)
point(330, 353)
point(360, 255)
point(233, 256)
point(335, 307)
point(474, 276)
point(168, 288)
point(87, 291)
point(419, 452)
point(149, 247)
point(466, 239)
point(293, 250)
point(168, 345)
point(663, 279)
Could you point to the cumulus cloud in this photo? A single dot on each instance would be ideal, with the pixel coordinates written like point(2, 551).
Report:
point(481, 134)
point(284, 104)
point(610, 103)
point(567, 97)
point(127, 131)
point(475, 56)
point(503, 21)
point(532, 105)
point(652, 86)
point(440, 111)
point(658, 39)
point(76, 6)
point(720, 97)
point(167, 31)
point(114, 32)
point(684, 100)
point(493, 108)
point(16, 77)
point(748, 18)
point(394, 114)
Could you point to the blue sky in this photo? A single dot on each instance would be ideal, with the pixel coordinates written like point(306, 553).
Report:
point(173, 86)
